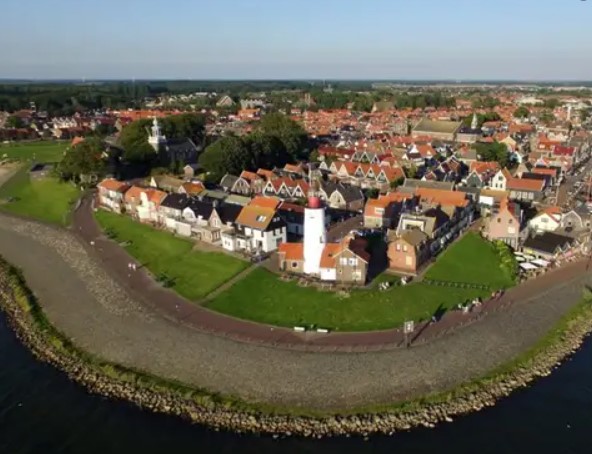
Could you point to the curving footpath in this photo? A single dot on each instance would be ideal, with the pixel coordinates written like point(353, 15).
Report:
point(141, 285)
point(106, 318)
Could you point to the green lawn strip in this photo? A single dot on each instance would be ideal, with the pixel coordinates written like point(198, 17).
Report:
point(262, 296)
point(34, 151)
point(194, 274)
point(46, 199)
point(471, 260)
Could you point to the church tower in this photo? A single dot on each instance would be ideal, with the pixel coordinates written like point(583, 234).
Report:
point(315, 234)
point(475, 122)
point(155, 137)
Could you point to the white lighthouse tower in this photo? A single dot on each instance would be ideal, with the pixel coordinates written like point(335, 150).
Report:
point(155, 137)
point(315, 235)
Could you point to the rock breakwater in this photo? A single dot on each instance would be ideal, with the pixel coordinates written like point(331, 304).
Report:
point(47, 344)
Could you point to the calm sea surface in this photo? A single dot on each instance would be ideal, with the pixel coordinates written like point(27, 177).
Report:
point(43, 412)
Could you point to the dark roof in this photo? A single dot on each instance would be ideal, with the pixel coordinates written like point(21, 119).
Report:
point(416, 183)
point(436, 126)
point(349, 193)
point(228, 212)
point(547, 242)
point(535, 176)
point(201, 208)
point(228, 181)
point(184, 144)
point(469, 130)
point(176, 201)
point(291, 216)
point(441, 217)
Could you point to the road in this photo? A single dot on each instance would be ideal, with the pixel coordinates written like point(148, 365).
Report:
point(563, 196)
point(108, 318)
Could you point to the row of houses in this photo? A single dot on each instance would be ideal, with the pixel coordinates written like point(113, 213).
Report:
point(253, 228)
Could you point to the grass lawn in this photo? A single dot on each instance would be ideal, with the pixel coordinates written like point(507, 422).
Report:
point(262, 296)
point(194, 273)
point(46, 199)
point(471, 260)
point(35, 151)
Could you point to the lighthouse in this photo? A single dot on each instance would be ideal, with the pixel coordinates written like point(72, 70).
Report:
point(315, 235)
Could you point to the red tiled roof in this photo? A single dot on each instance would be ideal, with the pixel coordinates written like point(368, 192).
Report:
point(525, 184)
point(265, 202)
point(111, 184)
point(443, 197)
point(292, 251)
point(563, 151)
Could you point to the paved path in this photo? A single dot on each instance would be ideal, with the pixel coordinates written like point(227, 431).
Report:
point(119, 322)
point(140, 284)
point(239, 277)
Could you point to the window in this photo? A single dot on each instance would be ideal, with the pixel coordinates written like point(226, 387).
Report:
point(294, 264)
point(260, 218)
point(499, 220)
point(343, 261)
point(398, 247)
point(510, 221)
point(353, 262)
point(405, 248)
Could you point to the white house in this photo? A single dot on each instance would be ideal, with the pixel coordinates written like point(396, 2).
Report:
point(547, 220)
point(500, 180)
point(259, 229)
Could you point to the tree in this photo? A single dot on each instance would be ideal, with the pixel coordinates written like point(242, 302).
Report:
point(411, 171)
point(226, 155)
point(396, 183)
point(84, 162)
point(495, 151)
point(546, 117)
point(481, 118)
point(187, 125)
point(521, 112)
point(134, 140)
point(266, 151)
point(103, 130)
point(14, 122)
point(290, 133)
point(551, 103)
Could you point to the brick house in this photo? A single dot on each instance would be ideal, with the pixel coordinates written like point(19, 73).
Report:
point(505, 224)
point(408, 252)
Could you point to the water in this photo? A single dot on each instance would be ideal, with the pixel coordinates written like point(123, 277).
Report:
point(41, 411)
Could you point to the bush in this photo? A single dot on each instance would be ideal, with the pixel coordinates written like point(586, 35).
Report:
point(507, 259)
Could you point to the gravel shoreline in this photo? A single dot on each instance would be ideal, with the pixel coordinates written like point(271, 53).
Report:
point(111, 381)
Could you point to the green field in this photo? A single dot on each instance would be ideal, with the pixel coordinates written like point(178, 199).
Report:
point(261, 296)
point(470, 260)
point(34, 151)
point(194, 273)
point(46, 199)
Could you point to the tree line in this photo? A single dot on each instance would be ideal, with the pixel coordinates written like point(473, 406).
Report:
point(276, 141)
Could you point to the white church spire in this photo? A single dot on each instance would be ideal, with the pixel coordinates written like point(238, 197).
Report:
point(155, 137)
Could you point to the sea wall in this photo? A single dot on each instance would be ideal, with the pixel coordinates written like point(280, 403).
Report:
point(100, 377)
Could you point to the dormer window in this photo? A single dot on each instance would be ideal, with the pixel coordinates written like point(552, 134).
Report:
point(260, 218)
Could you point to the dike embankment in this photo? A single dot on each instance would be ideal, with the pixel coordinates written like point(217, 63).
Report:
point(29, 322)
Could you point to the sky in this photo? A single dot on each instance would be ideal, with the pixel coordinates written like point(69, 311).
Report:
point(305, 39)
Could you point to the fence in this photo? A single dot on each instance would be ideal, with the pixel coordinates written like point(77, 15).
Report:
point(456, 284)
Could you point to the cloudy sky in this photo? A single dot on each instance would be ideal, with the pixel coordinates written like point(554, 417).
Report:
point(285, 39)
